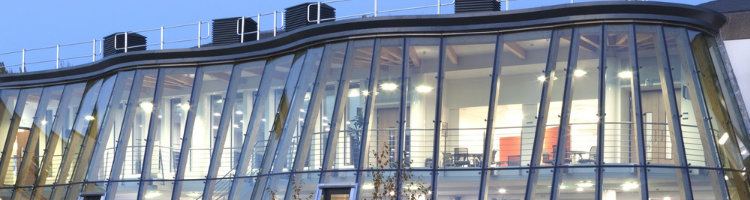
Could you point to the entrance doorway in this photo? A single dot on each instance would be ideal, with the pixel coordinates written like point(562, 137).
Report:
point(336, 191)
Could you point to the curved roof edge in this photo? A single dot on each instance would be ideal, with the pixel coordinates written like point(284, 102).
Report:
point(547, 16)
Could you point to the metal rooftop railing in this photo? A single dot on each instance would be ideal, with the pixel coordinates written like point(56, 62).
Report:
point(97, 44)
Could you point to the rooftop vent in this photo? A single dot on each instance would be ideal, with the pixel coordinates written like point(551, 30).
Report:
point(224, 31)
point(296, 16)
point(134, 39)
point(463, 6)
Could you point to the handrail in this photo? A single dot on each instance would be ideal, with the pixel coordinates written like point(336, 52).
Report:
point(241, 23)
point(161, 39)
point(57, 50)
point(374, 13)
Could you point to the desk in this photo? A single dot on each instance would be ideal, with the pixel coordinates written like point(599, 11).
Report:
point(578, 153)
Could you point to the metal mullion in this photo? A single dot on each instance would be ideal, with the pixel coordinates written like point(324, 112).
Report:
point(369, 104)
point(337, 115)
point(187, 138)
point(224, 124)
point(253, 123)
point(638, 119)
point(402, 113)
point(544, 102)
point(33, 137)
point(67, 157)
point(600, 114)
point(125, 132)
point(437, 122)
point(495, 85)
point(671, 109)
point(51, 143)
point(565, 113)
point(153, 126)
point(12, 132)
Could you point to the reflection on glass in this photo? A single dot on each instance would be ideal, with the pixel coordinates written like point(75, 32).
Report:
point(667, 183)
point(523, 59)
point(42, 124)
point(467, 65)
point(102, 158)
point(18, 135)
point(421, 97)
point(507, 184)
point(576, 183)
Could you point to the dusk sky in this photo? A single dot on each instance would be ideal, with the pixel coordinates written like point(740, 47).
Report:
point(34, 24)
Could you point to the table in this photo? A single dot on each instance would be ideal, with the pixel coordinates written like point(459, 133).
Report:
point(579, 153)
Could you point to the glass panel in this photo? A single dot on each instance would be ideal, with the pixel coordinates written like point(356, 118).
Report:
point(23, 193)
point(158, 190)
point(304, 185)
point(523, 59)
point(246, 191)
point(660, 140)
point(737, 183)
point(621, 183)
point(221, 189)
point(619, 133)
point(507, 184)
point(559, 64)
point(213, 86)
point(332, 67)
point(666, 183)
point(582, 136)
point(104, 155)
point(140, 108)
point(421, 95)
point(191, 189)
point(576, 183)
point(723, 130)
point(370, 179)
point(384, 117)
point(19, 132)
point(722, 77)
point(43, 193)
point(707, 184)
point(278, 70)
point(42, 124)
point(276, 187)
point(458, 184)
point(250, 75)
point(62, 125)
point(84, 155)
point(699, 147)
point(359, 61)
point(467, 65)
point(168, 131)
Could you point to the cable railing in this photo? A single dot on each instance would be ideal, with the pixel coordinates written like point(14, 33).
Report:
point(374, 13)
point(241, 25)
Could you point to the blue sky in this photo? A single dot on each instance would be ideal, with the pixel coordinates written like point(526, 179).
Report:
point(33, 23)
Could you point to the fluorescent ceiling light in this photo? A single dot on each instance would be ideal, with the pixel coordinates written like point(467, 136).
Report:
point(502, 191)
point(424, 89)
point(89, 117)
point(579, 73)
point(723, 138)
point(185, 106)
point(147, 106)
point(540, 78)
point(388, 86)
point(625, 74)
point(239, 112)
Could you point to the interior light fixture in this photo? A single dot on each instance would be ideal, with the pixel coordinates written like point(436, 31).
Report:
point(353, 93)
point(629, 185)
point(726, 178)
point(388, 86)
point(44, 122)
point(579, 73)
point(147, 106)
point(365, 92)
point(194, 194)
point(153, 194)
point(219, 101)
point(502, 191)
point(667, 198)
point(625, 74)
point(723, 138)
point(424, 89)
point(580, 189)
point(89, 117)
point(239, 112)
point(563, 187)
point(540, 78)
point(217, 114)
point(585, 184)
point(185, 107)
point(368, 186)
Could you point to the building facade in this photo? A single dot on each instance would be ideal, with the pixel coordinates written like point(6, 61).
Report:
point(604, 100)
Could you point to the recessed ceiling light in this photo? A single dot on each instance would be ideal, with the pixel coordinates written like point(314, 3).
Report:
point(388, 86)
point(424, 89)
point(625, 74)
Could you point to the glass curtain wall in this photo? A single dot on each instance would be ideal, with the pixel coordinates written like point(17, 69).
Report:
point(607, 111)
